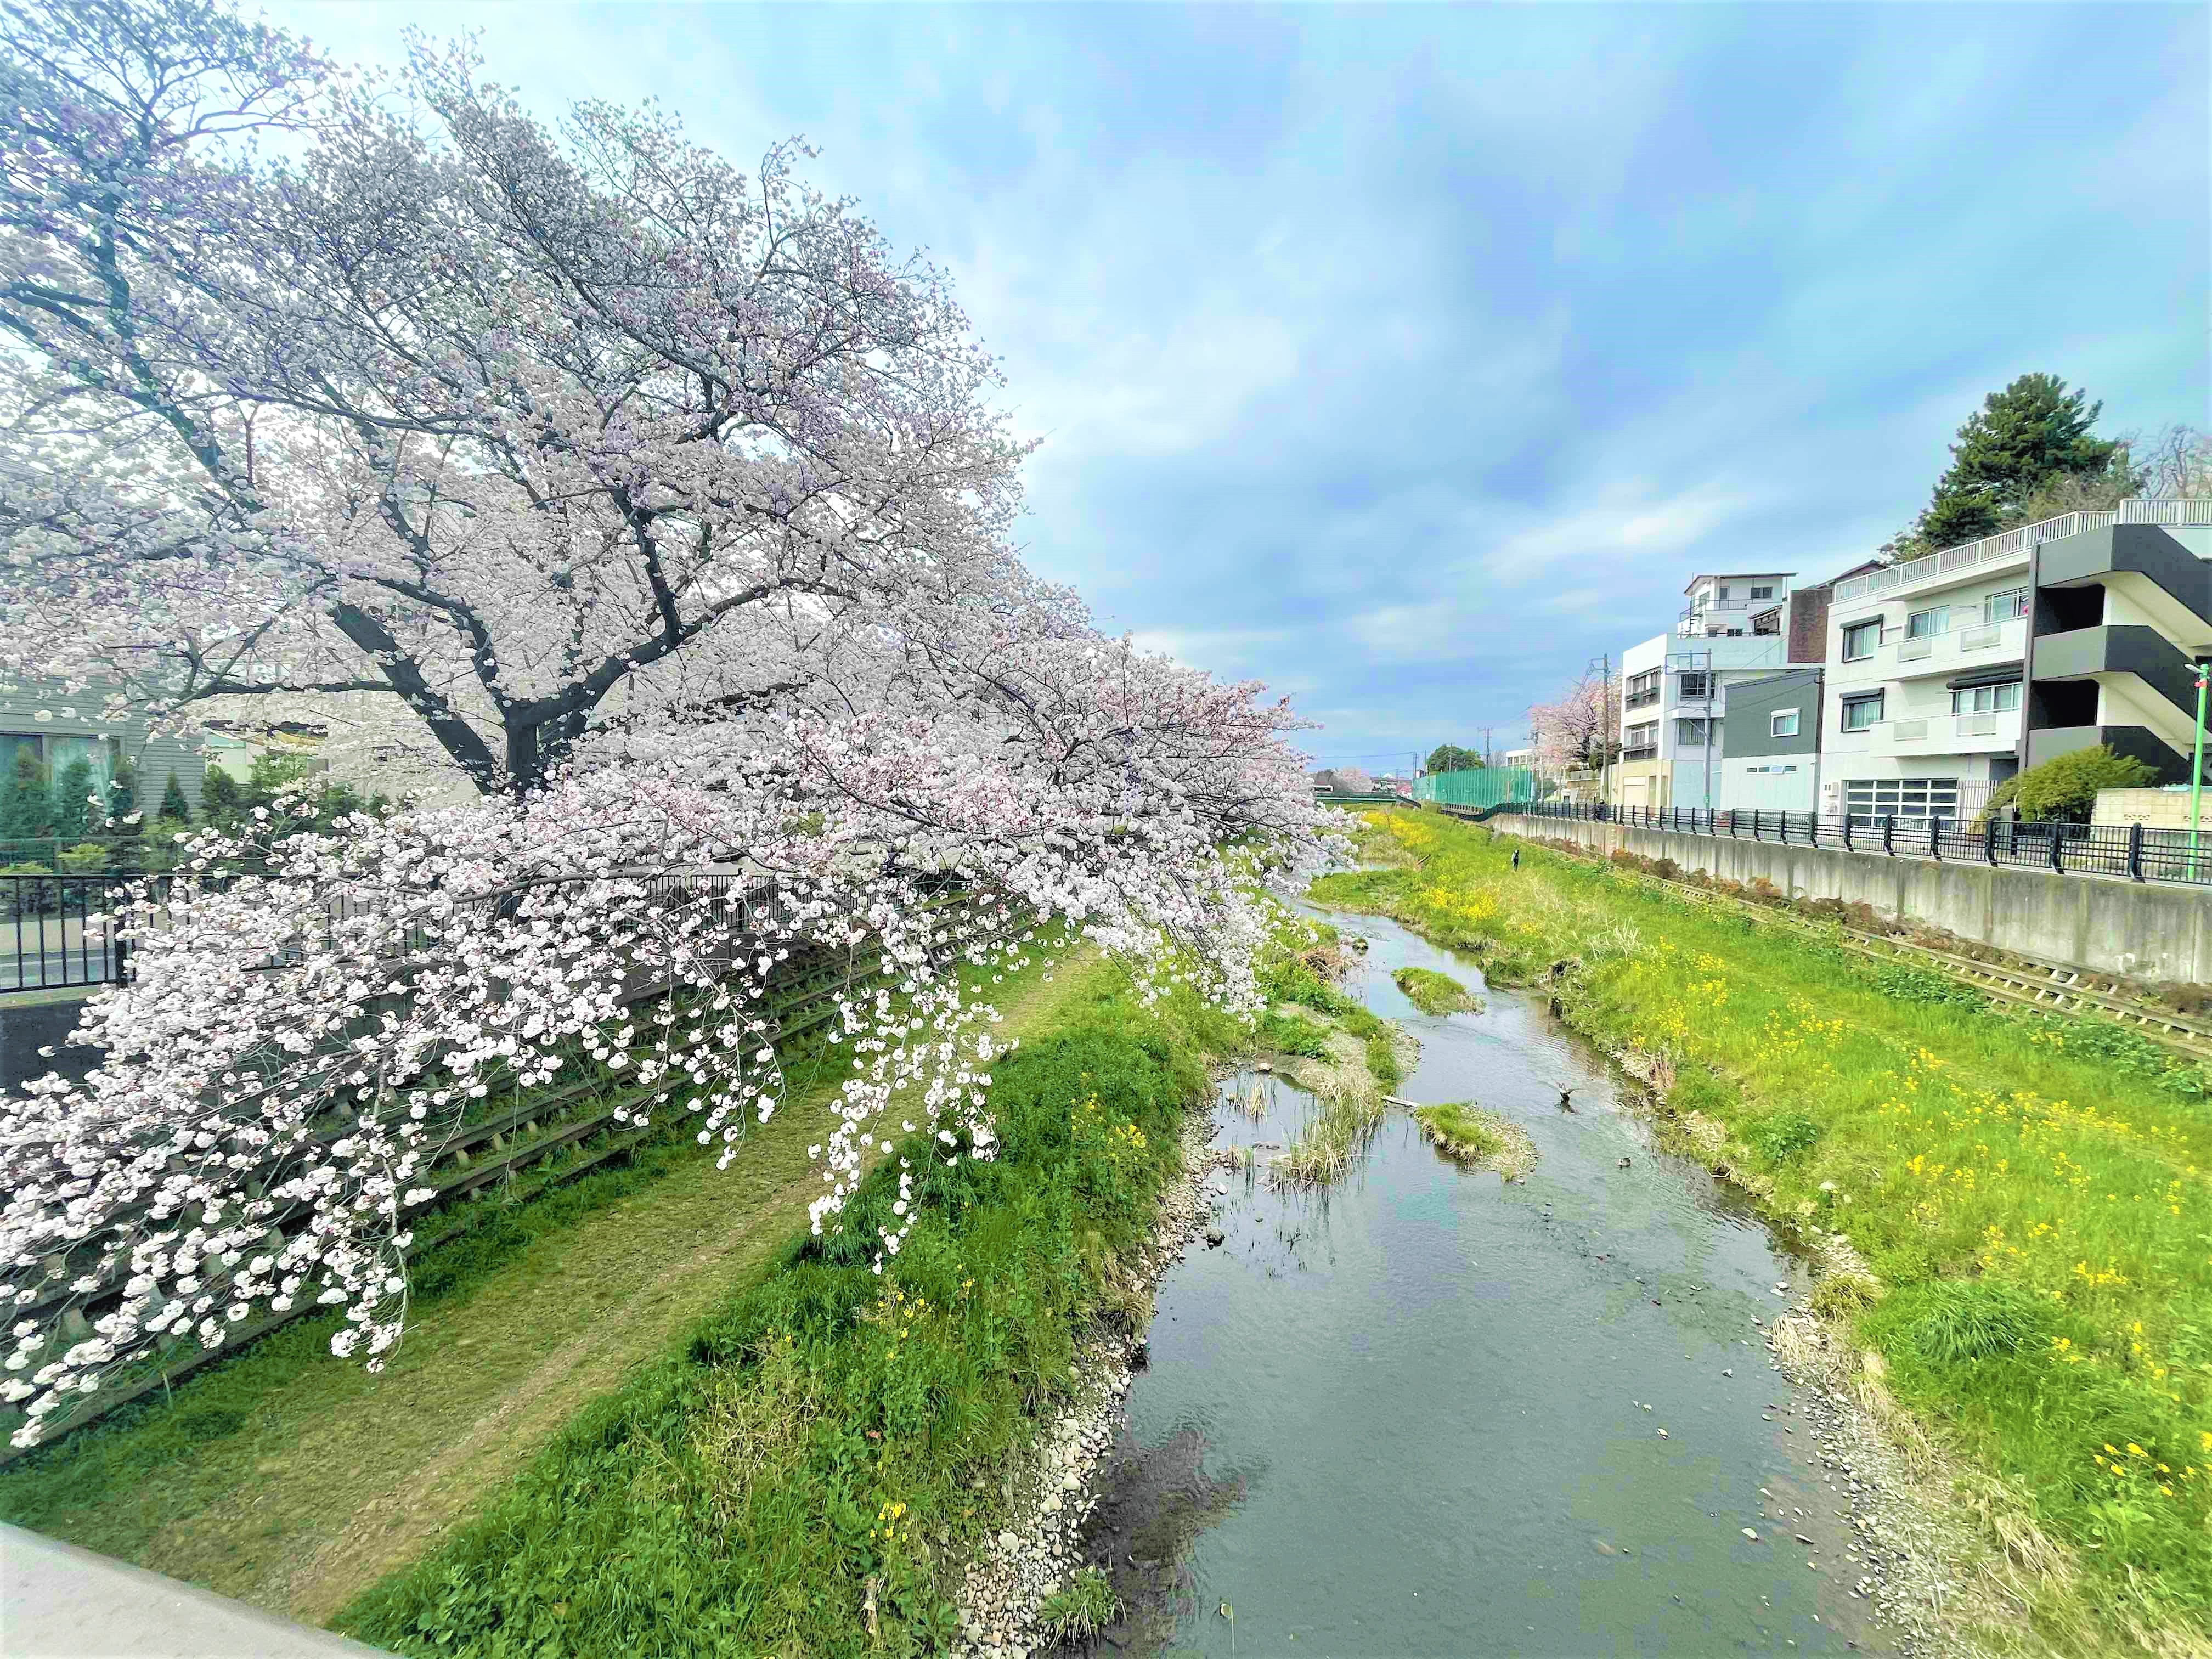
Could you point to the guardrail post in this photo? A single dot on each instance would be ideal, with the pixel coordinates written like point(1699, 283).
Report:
point(1990, 840)
point(2135, 850)
point(1935, 837)
point(1889, 833)
point(2057, 847)
point(1848, 848)
point(1755, 816)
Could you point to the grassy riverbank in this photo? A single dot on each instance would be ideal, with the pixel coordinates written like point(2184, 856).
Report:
point(294, 1480)
point(805, 1471)
point(2030, 1196)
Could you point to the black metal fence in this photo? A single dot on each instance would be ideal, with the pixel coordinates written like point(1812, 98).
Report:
point(57, 933)
point(2130, 851)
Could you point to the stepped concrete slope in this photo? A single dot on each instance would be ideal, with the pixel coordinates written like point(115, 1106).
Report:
point(57, 1601)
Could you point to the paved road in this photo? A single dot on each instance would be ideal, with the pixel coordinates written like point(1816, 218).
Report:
point(57, 1602)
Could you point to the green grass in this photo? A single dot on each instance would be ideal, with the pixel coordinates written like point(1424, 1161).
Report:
point(1287, 973)
point(812, 1451)
point(1293, 1033)
point(1433, 992)
point(1078, 1613)
point(1459, 1129)
point(1468, 1134)
point(2030, 1193)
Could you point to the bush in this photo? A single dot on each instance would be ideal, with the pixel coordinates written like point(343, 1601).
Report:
point(86, 858)
point(1293, 1033)
point(1918, 985)
point(2066, 789)
point(26, 898)
point(1781, 1136)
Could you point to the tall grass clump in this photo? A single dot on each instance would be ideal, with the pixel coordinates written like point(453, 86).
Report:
point(1468, 1134)
point(806, 1473)
point(1435, 993)
point(2030, 1194)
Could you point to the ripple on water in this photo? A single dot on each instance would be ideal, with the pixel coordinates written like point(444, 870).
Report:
point(1402, 1413)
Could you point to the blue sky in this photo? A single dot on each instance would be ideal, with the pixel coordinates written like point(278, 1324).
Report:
point(1408, 357)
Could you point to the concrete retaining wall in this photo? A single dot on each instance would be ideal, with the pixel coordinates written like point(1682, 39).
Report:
point(2146, 930)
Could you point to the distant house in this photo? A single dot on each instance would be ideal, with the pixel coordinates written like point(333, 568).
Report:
point(60, 727)
point(1341, 781)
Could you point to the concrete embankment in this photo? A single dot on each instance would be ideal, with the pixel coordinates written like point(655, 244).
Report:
point(2144, 930)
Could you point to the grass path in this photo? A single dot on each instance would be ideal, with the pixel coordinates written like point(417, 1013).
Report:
point(339, 1477)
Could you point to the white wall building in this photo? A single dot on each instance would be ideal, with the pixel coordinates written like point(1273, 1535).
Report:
point(1925, 691)
point(1673, 687)
point(1948, 673)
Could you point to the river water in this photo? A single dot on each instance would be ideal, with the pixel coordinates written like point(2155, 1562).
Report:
point(1419, 1412)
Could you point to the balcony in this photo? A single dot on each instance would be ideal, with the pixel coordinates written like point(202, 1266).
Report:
point(1967, 645)
point(1994, 733)
point(2013, 546)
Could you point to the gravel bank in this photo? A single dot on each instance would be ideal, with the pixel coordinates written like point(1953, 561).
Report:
point(1039, 1545)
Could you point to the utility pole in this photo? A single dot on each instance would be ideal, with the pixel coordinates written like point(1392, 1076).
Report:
point(2197, 767)
point(1712, 736)
point(1605, 741)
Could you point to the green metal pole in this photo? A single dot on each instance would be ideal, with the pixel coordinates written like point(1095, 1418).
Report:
point(2196, 769)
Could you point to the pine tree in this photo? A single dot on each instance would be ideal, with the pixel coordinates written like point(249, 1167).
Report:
point(2023, 439)
point(173, 804)
point(26, 806)
point(123, 794)
point(72, 804)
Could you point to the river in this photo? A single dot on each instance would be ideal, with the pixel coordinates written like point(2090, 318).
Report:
point(1421, 1411)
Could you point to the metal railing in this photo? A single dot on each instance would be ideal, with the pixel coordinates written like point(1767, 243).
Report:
point(2130, 851)
point(2011, 544)
point(57, 934)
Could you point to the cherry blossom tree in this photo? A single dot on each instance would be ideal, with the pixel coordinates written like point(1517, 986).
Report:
point(671, 510)
point(486, 420)
point(1582, 728)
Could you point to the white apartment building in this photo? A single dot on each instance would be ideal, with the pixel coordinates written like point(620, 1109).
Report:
point(1924, 688)
point(1673, 686)
point(1947, 672)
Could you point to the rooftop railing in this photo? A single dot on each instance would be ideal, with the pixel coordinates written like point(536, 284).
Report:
point(2013, 543)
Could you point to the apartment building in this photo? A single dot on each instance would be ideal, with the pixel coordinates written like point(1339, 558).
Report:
point(1674, 686)
point(1947, 674)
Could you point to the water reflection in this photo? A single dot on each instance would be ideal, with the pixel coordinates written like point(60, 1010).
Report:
point(1418, 1411)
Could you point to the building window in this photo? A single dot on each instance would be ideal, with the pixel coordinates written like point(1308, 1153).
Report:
point(1724, 592)
point(1925, 624)
point(1868, 801)
point(1642, 688)
point(2003, 607)
point(1861, 712)
point(1985, 698)
point(1860, 639)
point(1697, 685)
point(1764, 592)
point(1782, 723)
point(1690, 733)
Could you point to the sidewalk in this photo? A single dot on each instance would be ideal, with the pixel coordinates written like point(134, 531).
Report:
point(57, 1599)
